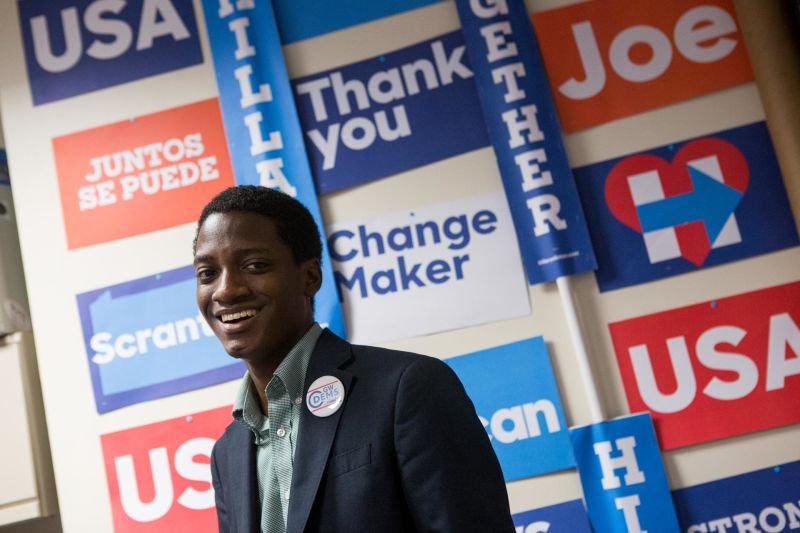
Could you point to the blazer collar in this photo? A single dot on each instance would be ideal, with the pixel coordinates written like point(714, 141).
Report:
point(316, 434)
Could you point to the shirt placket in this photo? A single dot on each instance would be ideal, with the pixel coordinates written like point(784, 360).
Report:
point(279, 409)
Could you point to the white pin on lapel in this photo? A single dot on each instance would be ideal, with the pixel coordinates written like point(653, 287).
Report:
point(325, 396)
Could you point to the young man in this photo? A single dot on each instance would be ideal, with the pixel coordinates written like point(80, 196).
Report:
point(328, 436)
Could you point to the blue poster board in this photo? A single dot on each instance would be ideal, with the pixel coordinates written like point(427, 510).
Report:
point(622, 476)
point(520, 409)
point(763, 500)
point(693, 204)
point(145, 339)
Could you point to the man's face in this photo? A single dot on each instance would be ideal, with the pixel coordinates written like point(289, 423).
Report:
point(250, 289)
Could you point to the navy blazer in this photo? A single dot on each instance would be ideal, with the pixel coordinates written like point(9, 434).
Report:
point(406, 452)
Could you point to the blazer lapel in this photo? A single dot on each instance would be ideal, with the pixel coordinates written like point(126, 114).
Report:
point(243, 479)
point(316, 434)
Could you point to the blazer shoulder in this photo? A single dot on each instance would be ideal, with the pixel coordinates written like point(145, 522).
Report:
point(366, 356)
point(388, 361)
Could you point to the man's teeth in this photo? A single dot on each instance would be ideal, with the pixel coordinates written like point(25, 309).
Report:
point(228, 317)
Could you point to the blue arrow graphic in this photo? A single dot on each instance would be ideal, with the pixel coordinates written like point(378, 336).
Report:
point(711, 202)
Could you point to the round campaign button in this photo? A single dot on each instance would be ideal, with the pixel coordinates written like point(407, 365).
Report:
point(325, 396)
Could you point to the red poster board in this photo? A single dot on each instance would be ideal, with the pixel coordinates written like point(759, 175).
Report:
point(614, 58)
point(159, 477)
point(714, 369)
point(141, 175)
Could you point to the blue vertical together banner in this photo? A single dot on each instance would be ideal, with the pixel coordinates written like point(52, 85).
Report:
point(622, 476)
point(261, 122)
point(523, 127)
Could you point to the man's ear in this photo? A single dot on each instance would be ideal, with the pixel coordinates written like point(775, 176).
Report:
point(312, 276)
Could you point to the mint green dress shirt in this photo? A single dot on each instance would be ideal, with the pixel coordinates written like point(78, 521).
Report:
point(276, 434)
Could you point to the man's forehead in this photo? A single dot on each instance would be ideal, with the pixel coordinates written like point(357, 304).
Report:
point(236, 232)
point(237, 218)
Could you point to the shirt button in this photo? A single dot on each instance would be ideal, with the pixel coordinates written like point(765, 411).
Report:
point(298, 400)
point(286, 494)
point(281, 433)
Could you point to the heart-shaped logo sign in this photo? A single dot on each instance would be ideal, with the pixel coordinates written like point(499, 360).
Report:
point(693, 196)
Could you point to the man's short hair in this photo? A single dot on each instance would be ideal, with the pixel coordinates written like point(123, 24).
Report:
point(294, 223)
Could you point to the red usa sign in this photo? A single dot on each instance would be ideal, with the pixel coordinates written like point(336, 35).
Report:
point(714, 369)
point(159, 477)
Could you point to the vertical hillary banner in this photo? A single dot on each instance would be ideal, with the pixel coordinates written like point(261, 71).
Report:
point(623, 480)
point(523, 127)
point(260, 118)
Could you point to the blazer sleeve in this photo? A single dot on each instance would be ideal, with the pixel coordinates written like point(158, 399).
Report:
point(450, 474)
point(219, 494)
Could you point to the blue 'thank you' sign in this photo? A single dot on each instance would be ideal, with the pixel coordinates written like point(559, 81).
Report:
point(523, 127)
point(391, 113)
point(145, 339)
point(261, 123)
point(520, 409)
point(622, 476)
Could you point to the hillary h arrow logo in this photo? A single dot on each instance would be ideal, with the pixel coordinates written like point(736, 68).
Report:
point(711, 202)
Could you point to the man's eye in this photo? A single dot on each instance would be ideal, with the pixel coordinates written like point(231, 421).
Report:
point(205, 274)
point(256, 266)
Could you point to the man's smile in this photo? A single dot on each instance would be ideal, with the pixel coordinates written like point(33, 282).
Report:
point(237, 315)
point(236, 321)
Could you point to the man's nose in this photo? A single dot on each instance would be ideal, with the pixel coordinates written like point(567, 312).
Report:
point(231, 286)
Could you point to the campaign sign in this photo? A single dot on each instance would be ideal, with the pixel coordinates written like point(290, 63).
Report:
point(295, 24)
point(766, 500)
point(686, 206)
point(158, 475)
point(515, 395)
point(421, 271)
point(145, 339)
point(567, 517)
point(715, 369)
point(77, 46)
point(522, 123)
point(140, 175)
point(623, 480)
point(390, 113)
point(616, 58)
point(260, 118)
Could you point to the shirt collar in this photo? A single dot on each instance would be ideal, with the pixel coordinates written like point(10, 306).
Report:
point(291, 371)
